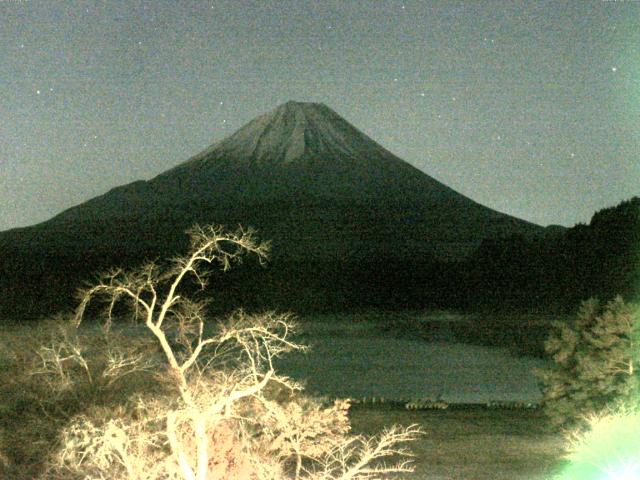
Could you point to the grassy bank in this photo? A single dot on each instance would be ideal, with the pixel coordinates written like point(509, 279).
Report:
point(472, 443)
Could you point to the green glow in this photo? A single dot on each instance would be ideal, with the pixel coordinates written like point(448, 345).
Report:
point(628, 471)
point(608, 450)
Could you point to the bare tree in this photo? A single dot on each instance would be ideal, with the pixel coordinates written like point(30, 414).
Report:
point(233, 416)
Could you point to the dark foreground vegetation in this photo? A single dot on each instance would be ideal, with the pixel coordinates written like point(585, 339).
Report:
point(546, 273)
point(473, 443)
point(41, 396)
point(470, 443)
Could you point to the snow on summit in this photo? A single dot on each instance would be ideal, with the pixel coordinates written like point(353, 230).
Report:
point(297, 131)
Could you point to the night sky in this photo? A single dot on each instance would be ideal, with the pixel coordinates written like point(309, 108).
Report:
point(529, 107)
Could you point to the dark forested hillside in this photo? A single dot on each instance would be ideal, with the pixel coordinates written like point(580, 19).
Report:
point(351, 224)
point(601, 259)
point(551, 272)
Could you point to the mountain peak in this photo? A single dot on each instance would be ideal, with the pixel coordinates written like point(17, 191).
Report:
point(300, 133)
point(305, 109)
point(296, 105)
point(292, 133)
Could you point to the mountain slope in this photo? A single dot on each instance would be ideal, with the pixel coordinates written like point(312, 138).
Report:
point(321, 190)
point(304, 163)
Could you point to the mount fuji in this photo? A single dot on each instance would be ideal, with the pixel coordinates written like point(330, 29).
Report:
point(330, 198)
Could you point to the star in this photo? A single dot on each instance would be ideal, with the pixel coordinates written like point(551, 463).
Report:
point(37, 92)
point(614, 69)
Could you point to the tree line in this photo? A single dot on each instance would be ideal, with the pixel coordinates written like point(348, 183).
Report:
point(601, 259)
point(553, 272)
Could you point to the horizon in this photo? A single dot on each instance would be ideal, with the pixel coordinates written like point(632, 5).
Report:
point(528, 109)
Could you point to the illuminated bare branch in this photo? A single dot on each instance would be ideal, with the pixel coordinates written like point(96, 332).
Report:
point(224, 421)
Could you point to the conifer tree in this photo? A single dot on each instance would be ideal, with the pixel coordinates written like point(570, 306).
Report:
point(595, 362)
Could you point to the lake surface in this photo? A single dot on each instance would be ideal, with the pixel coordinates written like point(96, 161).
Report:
point(361, 360)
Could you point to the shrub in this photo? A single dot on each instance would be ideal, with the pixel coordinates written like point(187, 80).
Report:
point(595, 362)
point(51, 372)
point(221, 411)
